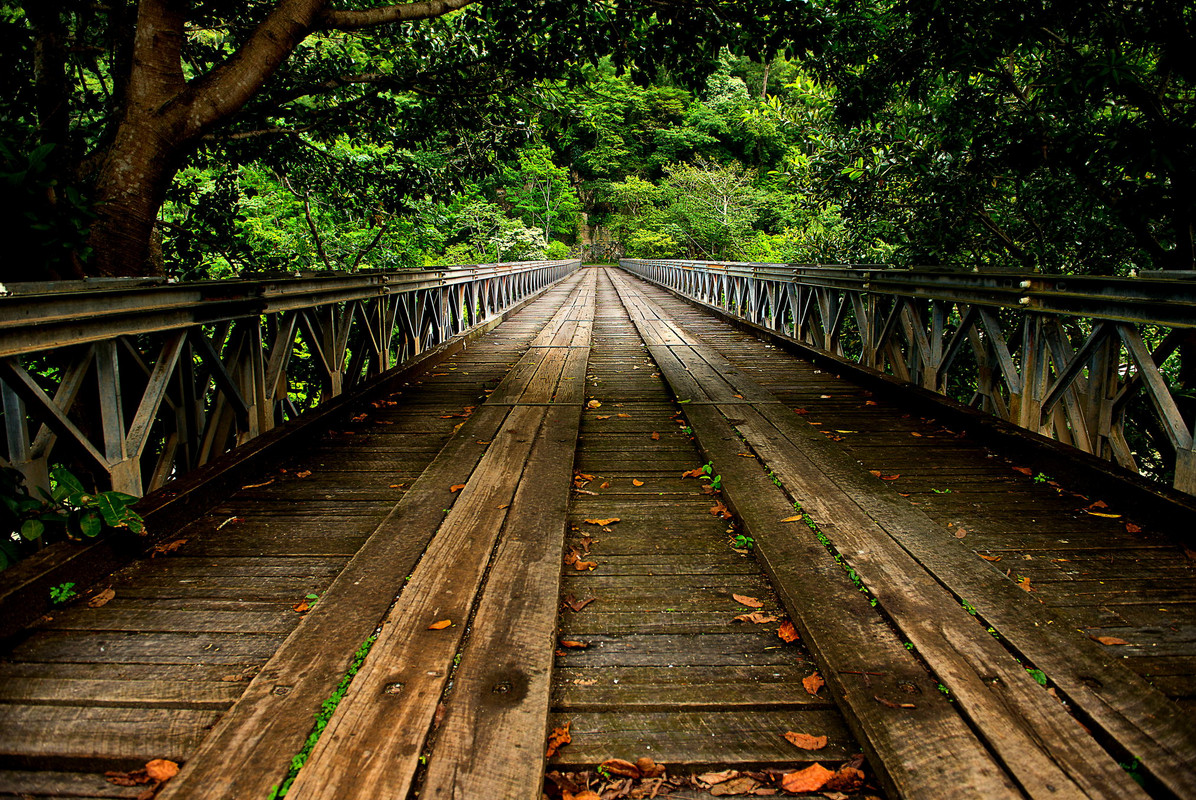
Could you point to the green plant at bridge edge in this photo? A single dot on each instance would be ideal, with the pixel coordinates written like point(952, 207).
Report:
point(67, 511)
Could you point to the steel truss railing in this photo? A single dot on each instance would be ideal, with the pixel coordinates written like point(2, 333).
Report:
point(144, 380)
point(1062, 355)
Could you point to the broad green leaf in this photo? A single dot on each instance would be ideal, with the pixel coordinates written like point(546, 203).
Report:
point(32, 529)
point(112, 508)
point(90, 525)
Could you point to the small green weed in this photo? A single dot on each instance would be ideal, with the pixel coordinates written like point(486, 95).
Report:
point(1038, 675)
point(1042, 477)
point(62, 593)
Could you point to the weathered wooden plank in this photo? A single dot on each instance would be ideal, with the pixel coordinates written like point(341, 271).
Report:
point(190, 694)
point(496, 716)
point(81, 785)
point(72, 737)
point(146, 620)
point(697, 739)
point(158, 648)
point(372, 743)
point(693, 688)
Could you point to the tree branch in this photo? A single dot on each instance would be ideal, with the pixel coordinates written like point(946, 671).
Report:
point(311, 223)
point(351, 20)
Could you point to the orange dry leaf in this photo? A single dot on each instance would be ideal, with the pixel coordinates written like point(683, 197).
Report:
point(1132, 528)
point(602, 416)
point(788, 632)
point(800, 411)
point(1110, 640)
point(608, 521)
point(628, 416)
point(990, 558)
point(441, 625)
point(302, 607)
point(810, 779)
point(655, 436)
point(574, 644)
point(813, 683)
point(757, 617)
point(636, 482)
point(915, 433)
point(558, 739)
point(694, 473)
point(583, 476)
point(305, 473)
point(161, 770)
point(617, 766)
point(847, 779)
point(1024, 470)
point(593, 404)
point(805, 741)
point(720, 510)
point(605, 485)
point(750, 602)
point(794, 518)
point(1024, 583)
point(456, 487)
point(581, 566)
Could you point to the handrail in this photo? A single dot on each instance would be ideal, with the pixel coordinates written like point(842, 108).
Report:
point(1066, 356)
point(185, 371)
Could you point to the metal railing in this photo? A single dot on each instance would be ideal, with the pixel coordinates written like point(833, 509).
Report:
point(1066, 356)
point(144, 380)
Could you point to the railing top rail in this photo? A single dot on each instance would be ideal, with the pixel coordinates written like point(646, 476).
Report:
point(1153, 297)
point(39, 316)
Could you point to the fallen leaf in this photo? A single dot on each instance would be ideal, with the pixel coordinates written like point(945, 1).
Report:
point(810, 779)
point(1099, 504)
point(572, 556)
point(713, 778)
point(655, 436)
point(583, 475)
point(649, 768)
point(636, 482)
point(258, 485)
point(871, 403)
point(800, 411)
point(617, 766)
point(575, 604)
point(1024, 583)
point(694, 473)
point(303, 474)
point(593, 404)
point(989, 558)
point(302, 607)
point(605, 485)
point(805, 741)
point(757, 617)
point(608, 521)
point(960, 533)
point(825, 396)
point(788, 632)
point(161, 770)
point(169, 547)
point(558, 739)
point(1132, 528)
point(574, 644)
point(847, 779)
point(1110, 640)
point(602, 416)
point(1024, 470)
point(586, 795)
point(794, 518)
point(720, 510)
point(813, 683)
point(102, 598)
point(750, 602)
point(625, 416)
point(137, 777)
point(582, 566)
point(359, 417)
point(744, 784)
point(441, 625)
point(746, 455)
point(456, 487)
point(915, 433)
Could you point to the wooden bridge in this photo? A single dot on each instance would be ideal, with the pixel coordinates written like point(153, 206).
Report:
point(736, 533)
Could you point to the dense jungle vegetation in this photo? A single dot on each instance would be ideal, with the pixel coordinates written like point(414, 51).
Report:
point(215, 138)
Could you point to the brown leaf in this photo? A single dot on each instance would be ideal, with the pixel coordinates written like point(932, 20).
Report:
point(582, 566)
point(607, 521)
point(989, 558)
point(649, 768)
point(757, 617)
point(1024, 583)
point(625, 416)
point(719, 509)
point(303, 474)
point(617, 766)
point(137, 777)
point(605, 485)
point(102, 598)
point(960, 533)
point(636, 482)
point(871, 403)
point(847, 779)
point(750, 602)
point(440, 625)
point(302, 607)
point(1024, 470)
point(810, 779)
point(1110, 640)
point(1132, 528)
point(602, 416)
point(788, 632)
point(712, 778)
point(586, 795)
point(575, 604)
point(655, 436)
point(169, 547)
point(794, 518)
point(805, 741)
point(800, 411)
point(744, 784)
point(574, 644)
point(572, 557)
point(694, 473)
point(813, 683)
point(593, 404)
point(161, 770)
point(583, 476)
point(558, 739)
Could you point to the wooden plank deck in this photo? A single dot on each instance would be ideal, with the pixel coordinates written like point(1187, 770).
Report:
point(940, 575)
